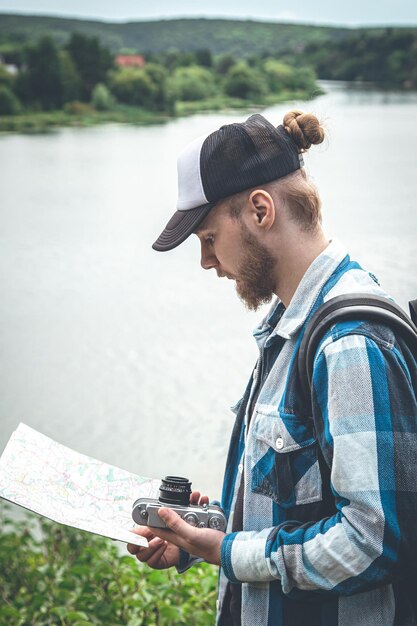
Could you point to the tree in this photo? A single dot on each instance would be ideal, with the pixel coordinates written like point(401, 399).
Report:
point(133, 85)
point(193, 83)
point(163, 97)
point(92, 61)
point(101, 99)
point(41, 82)
point(203, 57)
point(245, 82)
point(6, 78)
point(70, 78)
point(224, 62)
point(9, 103)
point(278, 74)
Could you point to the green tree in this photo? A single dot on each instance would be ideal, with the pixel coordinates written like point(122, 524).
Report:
point(223, 63)
point(102, 99)
point(163, 96)
point(6, 78)
point(41, 82)
point(70, 79)
point(9, 103)
point(193, 83)
point(278, 74)
point(303, 78)
point(244, 82)
point(92, 61)
point(134, 86)
point(204, 57)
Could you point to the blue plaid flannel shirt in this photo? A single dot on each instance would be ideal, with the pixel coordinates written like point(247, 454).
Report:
point(330, 508)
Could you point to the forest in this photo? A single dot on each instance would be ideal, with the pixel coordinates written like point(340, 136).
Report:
point(83, 77)
point(56, 71)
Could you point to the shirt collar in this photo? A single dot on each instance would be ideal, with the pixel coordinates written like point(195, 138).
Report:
point(286, 322)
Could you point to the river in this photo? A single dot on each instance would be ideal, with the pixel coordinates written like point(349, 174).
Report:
point(132, 356)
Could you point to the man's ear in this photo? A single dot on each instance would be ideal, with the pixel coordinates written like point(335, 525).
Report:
point(261, 209)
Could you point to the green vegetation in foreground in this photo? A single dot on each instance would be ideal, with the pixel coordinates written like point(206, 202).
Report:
point(51, 575)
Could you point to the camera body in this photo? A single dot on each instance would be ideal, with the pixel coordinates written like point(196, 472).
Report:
point(174, 493)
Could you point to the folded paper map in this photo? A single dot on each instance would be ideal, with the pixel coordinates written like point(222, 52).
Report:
point(71, 488)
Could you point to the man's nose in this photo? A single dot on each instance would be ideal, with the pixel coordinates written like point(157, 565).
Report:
point(208, 259)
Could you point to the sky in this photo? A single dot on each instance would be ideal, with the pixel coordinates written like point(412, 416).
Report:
point(347, 13)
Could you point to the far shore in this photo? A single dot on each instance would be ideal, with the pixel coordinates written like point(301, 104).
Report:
point(43, 121)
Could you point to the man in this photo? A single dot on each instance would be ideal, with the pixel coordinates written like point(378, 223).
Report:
point(320, 492)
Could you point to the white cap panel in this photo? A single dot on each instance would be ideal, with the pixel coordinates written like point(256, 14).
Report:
point(191, 192)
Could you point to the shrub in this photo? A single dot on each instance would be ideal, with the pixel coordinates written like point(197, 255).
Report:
point(192, 83)
point(78, 108)
point(244, 82)
point(223, 63)
point(133, 85)
point(51, 574)
point(304, 78)
point(278, 75)
point(6, 78)
point(9, 103)
point(101, 99)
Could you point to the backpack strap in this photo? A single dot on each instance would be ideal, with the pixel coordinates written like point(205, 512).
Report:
point(356, 306)
point(413, 310)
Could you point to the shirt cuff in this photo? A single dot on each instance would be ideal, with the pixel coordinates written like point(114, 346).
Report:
point(243, 557)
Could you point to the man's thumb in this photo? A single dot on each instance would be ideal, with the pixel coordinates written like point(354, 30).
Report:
point(174, 522)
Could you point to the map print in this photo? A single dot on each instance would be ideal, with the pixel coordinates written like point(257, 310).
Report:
point(71, 488)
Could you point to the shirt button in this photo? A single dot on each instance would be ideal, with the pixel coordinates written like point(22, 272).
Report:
point(279, 443)
point(240, 467)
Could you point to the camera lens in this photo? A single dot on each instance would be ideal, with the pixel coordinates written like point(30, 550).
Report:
point(175, 490)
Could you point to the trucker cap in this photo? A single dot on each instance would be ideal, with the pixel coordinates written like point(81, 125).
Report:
point(231, 159)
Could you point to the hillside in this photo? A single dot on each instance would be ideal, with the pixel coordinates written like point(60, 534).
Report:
point(241, 38)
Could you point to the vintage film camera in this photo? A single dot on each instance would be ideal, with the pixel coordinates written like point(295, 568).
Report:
point(174, 493)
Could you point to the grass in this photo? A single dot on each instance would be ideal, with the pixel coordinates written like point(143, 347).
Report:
point(86, 116)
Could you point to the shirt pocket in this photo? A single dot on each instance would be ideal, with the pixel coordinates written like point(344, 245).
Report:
point(284, 456)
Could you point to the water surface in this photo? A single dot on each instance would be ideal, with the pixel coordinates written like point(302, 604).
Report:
point(132, 356)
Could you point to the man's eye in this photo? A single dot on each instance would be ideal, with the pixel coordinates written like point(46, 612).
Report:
point(209, 240)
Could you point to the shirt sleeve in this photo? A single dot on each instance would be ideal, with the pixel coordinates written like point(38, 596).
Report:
point(364, 399)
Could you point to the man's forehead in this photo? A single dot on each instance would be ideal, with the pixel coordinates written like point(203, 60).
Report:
point(211, 218)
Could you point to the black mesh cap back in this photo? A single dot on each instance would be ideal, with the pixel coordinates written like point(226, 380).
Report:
point(243, 155)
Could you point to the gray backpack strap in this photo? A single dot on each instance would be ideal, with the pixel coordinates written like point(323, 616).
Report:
point(355, 306)
point(413, 310)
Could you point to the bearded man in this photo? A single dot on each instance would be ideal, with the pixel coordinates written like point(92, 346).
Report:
point(320, 493)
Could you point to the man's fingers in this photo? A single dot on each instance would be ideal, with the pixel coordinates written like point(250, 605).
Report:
point(132, 548)
point(145, 554)
point(175, 523)
point(195, 497)
point(153, 561)
point(143, 531)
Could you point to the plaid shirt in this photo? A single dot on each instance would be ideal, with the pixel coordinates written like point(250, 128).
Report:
point(329, 527)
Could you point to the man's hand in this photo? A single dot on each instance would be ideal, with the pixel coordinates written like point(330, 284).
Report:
point(159, 555)
point(202, 542)
point(163, 550)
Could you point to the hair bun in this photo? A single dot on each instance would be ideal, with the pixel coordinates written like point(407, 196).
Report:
point(304, 128)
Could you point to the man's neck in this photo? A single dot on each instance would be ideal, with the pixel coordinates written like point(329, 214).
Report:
point(295, 261)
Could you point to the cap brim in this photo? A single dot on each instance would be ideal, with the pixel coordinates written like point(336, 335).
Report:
point(180, 226)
